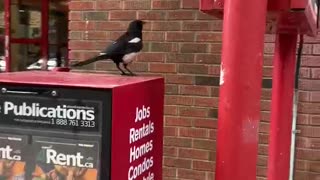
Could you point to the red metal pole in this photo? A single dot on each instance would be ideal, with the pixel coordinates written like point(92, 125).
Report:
point(45, 32)
point(240, 89)
point(281, 112)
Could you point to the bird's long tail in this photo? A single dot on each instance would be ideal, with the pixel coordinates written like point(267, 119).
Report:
point(89, 61)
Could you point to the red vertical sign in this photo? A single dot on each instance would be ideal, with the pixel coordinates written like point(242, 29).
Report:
point(137, 130)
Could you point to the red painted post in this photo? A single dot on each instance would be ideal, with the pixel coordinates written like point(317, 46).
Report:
point(7, 36)
point(45, 32)
point(240, 89)
point(281, 111)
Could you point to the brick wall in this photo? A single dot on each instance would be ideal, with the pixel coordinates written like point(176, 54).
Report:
point(184, 46)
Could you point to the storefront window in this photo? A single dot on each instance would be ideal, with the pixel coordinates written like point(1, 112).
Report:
point(38, 30)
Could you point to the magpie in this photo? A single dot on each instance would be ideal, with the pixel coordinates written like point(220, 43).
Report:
point(123, 50)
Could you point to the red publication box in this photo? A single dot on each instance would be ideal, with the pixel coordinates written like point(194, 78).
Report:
point(123, 114)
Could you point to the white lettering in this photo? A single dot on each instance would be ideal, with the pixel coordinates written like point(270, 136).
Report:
point(142, 114)
point(61, 112)
point(137, 134)
point(136, 171)
point(6, 153)
point(137, 152)
point(66, 159)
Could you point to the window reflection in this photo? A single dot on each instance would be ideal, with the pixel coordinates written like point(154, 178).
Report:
point(25, 19)
point(24, 55)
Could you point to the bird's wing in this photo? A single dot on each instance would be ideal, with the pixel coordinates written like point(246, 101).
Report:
point(122, 45)
point(118, 46)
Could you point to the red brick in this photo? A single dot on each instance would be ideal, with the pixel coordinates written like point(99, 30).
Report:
point(269, 48)
point(215, 48)
point(179, 36)
point(170, 110)
point(76, 5)
point(191, 174)
point(209, 37)
point(179, 79)
point(208, 58)
point(163, 68)
point(81, 55)
point(315, 97)
point(177, 162)
point(205, 123)
point(193, 132)
point(193, 112)
point(193, 68)
point(123, 15)
point(315, 120)
point(204, 144)
point(169, 172)
point(305, 72)
point(181, 15)
point(195, 90)
point(178, 121)
point(82, 25)
point(267, 71)
point(190, 4)
point(82, 45)
point(178, 142)
point(308, 154)
point(165, 26)
point(206, 101)
point(310, 108)
point(203, 165)
point(170, 131)
point(180, 58)
point(151, 15)
point(214, 70)
point(167, 5)
point(151, 57)
point(171, 89)
point(194, 153)
point(97, 35)
point(315, 73)
point(178, 100)
point(74, 35)
point(162, 47)
point(170, 151)
point(154, 36)
point(75, 16)
point(137, 5)
point(309, 131)
point(310, 61)
point(108, 5)
point(197, 26)
point(194, 48)
point(111, 26)
point(311, 85)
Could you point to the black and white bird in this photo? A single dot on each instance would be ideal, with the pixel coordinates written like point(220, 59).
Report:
point(123, 50)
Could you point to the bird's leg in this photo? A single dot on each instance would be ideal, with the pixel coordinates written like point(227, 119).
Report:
point(125, 66)
point(122, 72)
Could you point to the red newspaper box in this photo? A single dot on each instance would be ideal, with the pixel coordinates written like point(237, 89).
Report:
point(81, 126)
